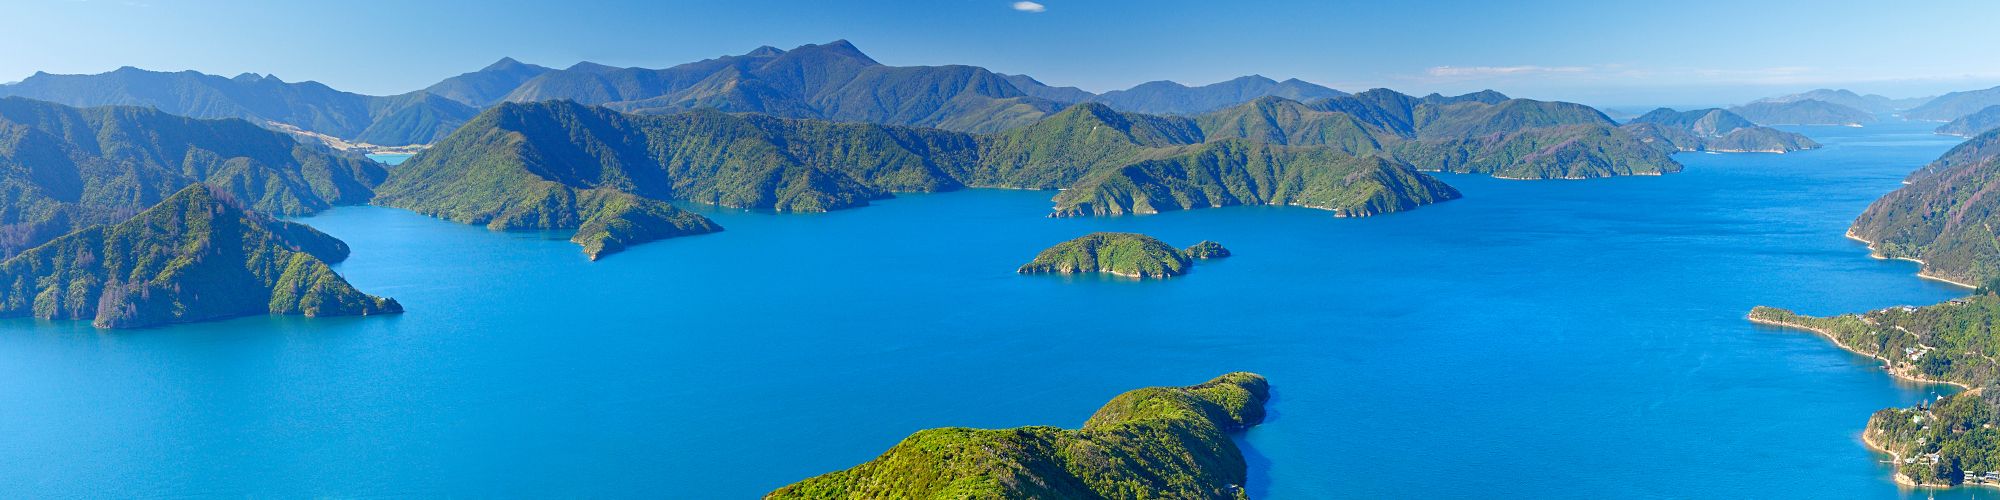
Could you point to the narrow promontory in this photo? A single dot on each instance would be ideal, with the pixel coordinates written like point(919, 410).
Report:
point(1946, 442)
point(1130, 255)
point(1157, 442)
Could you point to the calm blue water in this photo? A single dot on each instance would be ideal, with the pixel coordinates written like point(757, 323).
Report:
point(1535, 339)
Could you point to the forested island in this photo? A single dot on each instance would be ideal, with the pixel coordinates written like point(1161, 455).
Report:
point(1131, 255)
point(1156, 442)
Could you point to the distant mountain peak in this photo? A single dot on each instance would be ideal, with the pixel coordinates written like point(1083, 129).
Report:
point(591, 67)
point(765, 51)
point(836, 48)
point(503, 63)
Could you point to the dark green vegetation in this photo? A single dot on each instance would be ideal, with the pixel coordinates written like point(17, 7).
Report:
point(64, 168)
point(833, 81)
point(194, 256)
point(1944, 216)
point(1206, 250)
point(1954, 105)
point(1131, 255)
point(414, 118)
point(1238, 172)
point(836, 81)
point(1943, 442)
point(1972, 125)
point(1803, 112)
point(1956, 342)
point(1871, 103)
point(1484, 132)
point(1157, 442)
point(1169, 98)
point(1715, 130)
point(552, 165)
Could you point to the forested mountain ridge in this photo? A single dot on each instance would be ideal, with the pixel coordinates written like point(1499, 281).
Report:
point(546, 165)
point(63, 168)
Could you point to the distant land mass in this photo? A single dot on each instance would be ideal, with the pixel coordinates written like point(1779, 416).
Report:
point(1157, 442)
point(548, 165)
point(1983, 121)
point(314, 111)
point(836, 81)
point(1955, 105)
point(1169, 98)
point(1803, 112)
point(1715, 130)
point(194, 256)
point(1937, 443)
point(558, 164)
point(1943, 216)
point(1871, 103)
point(1483, 132)
point(1131, 255)
point(64, 168)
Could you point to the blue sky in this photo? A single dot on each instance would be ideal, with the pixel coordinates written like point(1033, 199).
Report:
point(1599, 52)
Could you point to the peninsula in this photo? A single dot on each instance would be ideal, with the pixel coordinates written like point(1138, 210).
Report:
point(1946, 442)
point(195, 256)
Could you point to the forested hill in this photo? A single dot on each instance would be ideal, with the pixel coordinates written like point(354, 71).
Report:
point(63, 168)
point(194, 256)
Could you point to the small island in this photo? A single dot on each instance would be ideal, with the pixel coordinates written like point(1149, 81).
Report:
point(1157, 442)
point(1131, 255)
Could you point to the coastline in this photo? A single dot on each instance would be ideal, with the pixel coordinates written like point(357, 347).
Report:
point(1888, 364)
point(1921, 273)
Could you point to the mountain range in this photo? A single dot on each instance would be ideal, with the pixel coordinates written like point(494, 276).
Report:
point(833, 81)
point(319, 111)
point(1871, 103)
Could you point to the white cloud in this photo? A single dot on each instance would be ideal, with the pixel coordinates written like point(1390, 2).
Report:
point(1029, 7)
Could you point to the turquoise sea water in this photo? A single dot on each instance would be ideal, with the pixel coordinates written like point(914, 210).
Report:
point(1534, 339)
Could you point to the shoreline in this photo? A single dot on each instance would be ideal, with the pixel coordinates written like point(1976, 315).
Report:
point(1921, 272)
point(1904, 479)
point(1889, 364)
